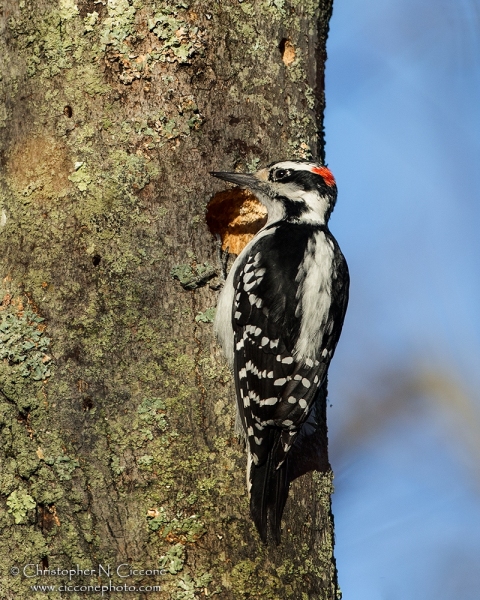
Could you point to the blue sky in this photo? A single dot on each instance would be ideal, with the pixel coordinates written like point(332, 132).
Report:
point(402, 129)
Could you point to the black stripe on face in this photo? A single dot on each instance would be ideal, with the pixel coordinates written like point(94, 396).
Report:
point(305, 180)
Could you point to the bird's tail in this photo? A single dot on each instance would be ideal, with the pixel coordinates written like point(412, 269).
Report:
point(268, 486)
point(268, 494)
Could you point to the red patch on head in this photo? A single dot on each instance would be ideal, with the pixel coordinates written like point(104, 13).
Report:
point(326, 174)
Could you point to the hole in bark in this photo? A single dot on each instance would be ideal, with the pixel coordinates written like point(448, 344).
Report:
point(68, 111)
point(287, 50)
point(87, 403)
point(22, 417)
point(44, 563)
point(96, 260)
point(236, 215)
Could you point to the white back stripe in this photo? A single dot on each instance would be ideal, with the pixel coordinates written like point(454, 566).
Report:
point(314, 295)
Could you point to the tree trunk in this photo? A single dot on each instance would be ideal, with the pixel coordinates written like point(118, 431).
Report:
point(116, 406)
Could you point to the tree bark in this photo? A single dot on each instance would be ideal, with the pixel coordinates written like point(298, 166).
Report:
point(116, 406)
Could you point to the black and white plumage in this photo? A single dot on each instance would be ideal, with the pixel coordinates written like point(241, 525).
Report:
point(279, 318)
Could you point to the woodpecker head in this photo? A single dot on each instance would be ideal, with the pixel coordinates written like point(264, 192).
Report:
point(291, 190)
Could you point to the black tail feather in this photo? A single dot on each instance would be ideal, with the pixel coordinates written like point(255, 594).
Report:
point(268, 495)
point(270, 486)
point(279, 493)
point(260, 478)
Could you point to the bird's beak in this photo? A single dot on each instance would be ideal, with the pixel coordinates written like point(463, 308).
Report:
point(243, 180)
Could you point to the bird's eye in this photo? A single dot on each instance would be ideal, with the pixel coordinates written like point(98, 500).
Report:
point(280, 174)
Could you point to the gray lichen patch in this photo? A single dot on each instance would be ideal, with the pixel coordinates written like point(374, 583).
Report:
point(193, 275)
point(133, 39)
point(19, 503)
point(24, 345)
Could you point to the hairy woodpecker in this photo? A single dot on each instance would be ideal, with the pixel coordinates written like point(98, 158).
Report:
point(279, 318)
